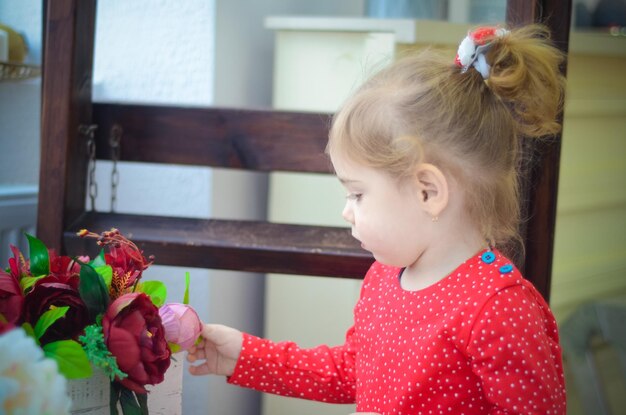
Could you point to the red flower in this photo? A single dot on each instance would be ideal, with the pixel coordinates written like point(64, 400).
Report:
point(64, 267)
point(11, 298)
point(18, 265)
point(57, 292)
point(134, 334)
point(128, 263)
point(124, 257)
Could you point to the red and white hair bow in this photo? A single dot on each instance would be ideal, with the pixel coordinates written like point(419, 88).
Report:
point(473, 48)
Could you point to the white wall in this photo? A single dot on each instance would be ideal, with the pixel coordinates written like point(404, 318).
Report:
point(243, 73)
point(159, 53)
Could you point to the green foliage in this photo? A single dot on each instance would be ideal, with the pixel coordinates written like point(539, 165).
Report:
point(186, 295)
point(156, 290)
point(106, 272)
point(70, 357)
point(27, 282)
point(39, 259)
point(47, 319)
point(93, 291)
point(100, 266)
point(131, 403)
point(99, 260)
point(98, 353)
point(174, 348)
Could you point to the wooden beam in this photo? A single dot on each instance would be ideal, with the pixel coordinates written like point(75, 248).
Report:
point(234, 138)
point(232, 245)
point(66, 103)
point(541, 179)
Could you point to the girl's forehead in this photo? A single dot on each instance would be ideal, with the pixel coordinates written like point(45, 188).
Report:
point(344, 165)
point(349, 171)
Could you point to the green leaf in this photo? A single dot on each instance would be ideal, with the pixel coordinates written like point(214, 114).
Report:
point(27, 282)
point(71, 358)
point(106, 272)
point(142, 398)
point(187, 280)
point(47, 319)
point(99, 260)
point(156, 290)
point(39, 259)
point(129, 403)
point(174, 348)
point(114, 397)
point(93, 291)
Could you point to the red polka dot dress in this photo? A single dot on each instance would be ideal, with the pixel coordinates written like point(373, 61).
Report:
point(480, 341)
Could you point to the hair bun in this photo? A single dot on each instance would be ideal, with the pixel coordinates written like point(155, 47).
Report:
point(525, 74)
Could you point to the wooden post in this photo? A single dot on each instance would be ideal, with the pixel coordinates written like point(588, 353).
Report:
point(541, 181)
point(66, 103)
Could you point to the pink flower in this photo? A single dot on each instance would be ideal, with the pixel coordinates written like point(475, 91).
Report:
point(181, 323)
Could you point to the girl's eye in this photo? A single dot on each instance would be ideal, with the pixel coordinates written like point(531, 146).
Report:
point(354, 196)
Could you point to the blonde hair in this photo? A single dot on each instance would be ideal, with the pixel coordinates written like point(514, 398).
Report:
point(423, 108)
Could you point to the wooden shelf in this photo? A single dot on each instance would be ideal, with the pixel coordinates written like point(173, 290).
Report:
point(259, 140)
point(10, 71)
point(231, 245)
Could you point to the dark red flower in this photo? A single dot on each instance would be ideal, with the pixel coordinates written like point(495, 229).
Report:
point(51, 292)
point(11, 298)
point(134, 334)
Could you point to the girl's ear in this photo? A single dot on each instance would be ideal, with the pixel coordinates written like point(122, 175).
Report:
point(434, 189)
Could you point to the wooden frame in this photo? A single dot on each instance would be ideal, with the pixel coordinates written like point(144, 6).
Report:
point(256, 140)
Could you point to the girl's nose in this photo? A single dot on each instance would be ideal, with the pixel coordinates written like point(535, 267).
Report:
point(347, 213)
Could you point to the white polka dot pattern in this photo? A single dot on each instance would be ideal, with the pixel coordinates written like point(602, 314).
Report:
point(480, 341)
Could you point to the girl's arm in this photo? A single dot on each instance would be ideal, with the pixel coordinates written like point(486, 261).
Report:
point(322, 373)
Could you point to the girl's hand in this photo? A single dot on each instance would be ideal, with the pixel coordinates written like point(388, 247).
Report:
point(218, 349)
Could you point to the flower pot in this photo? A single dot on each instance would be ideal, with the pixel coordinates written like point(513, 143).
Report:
point(166, 398)
point(90, 395)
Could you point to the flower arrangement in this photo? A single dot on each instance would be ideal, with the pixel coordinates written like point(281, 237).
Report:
point(86, 313)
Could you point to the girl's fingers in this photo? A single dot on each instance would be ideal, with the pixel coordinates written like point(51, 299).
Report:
point(199, 370)
point(196, 354)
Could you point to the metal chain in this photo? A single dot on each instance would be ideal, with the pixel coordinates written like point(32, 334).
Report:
point(89, 131)
point(114, 142)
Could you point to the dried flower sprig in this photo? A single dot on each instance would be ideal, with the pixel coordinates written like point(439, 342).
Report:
point(115, 239)
point(126, 259)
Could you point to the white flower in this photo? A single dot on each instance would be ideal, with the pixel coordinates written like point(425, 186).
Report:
point(30, 384)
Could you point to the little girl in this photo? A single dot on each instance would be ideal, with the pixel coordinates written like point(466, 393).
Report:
point(427, 150)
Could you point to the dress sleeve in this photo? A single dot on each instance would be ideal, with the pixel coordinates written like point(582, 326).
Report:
point(514, 350)
point(322, 373)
